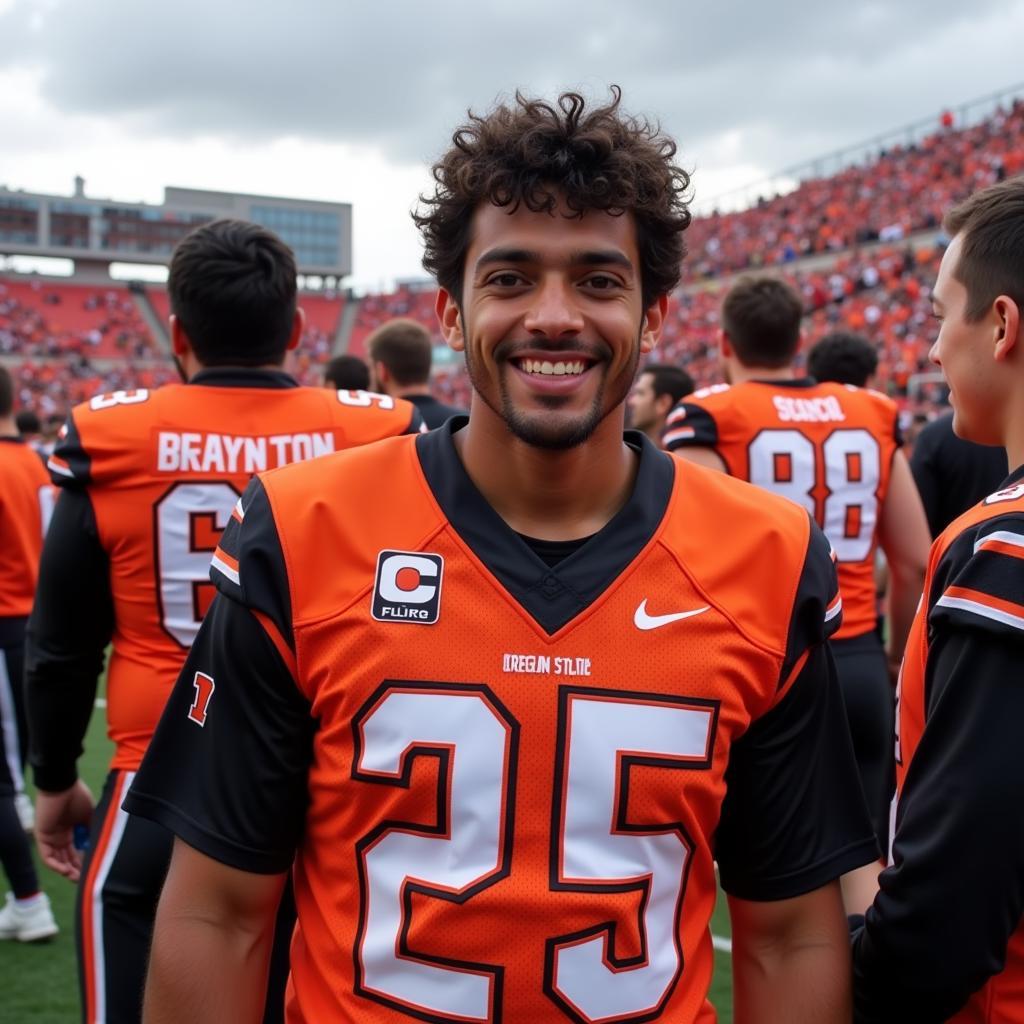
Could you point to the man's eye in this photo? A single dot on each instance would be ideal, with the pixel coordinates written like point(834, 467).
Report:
point(601, 282)
point(506, 279)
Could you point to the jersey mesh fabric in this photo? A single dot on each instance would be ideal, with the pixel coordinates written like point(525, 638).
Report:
point(718, 671)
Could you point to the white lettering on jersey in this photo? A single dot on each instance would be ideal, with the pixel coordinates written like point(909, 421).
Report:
point(544, 665)
point(808, 410)
point(223, 453)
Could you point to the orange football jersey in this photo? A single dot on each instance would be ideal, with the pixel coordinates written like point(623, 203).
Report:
point(973, 580)
point(828, 447)
point(26, 501)
point(518, 779)
point(163, 470)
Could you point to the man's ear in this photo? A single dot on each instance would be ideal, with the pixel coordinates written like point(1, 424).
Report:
point(380, 373)
point(1008, 327)
point(180, 344)
point(449, 316)
point(298, 326)
point(724, 345)
point(653, 322)
point(663, 404)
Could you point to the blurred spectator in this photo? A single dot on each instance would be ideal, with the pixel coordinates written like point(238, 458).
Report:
point(843, 357)
point(400, 356)
point(347, 373)
point(655, 392)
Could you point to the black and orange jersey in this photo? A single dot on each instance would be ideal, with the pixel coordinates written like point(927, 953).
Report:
point(26, 501)
point(160, 472)
point(507, 781)
point(944, 940)
point(828, 447)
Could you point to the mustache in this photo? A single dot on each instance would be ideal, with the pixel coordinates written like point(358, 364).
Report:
point(512, 347)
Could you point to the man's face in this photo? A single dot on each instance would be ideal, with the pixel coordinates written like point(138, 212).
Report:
point(551, 321)
point(644, 408)
point(964, 351)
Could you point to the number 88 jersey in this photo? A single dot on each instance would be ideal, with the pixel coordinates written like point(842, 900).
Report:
point(828, 447)
point(162, 470)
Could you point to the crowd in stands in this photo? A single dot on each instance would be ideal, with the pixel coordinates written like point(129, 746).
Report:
point(77, 340)
point(905, 190)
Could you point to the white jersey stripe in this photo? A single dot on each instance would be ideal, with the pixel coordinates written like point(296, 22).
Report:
point(837, 607)
point(9, 726)
point(96, 896)
point(56, 467)
point(1003, 536)
point(679, 434)
point(226, 570)
point(986, 612)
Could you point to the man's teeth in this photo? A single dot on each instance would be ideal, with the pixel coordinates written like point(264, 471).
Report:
point(559, 369)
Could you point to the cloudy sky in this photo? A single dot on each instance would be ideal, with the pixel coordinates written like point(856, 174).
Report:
point(351, 101)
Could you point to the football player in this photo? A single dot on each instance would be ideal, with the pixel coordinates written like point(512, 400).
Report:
point(503, 688)
point(833, 449)
point(26, 499)
point(943, 939)
point(149, 479)
point(657, 389)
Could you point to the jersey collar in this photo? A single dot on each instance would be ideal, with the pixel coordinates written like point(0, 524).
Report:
point(554, 596)
point(243, 377)
point(1014, 478)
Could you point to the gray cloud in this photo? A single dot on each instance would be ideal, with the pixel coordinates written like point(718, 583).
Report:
point(794, 78)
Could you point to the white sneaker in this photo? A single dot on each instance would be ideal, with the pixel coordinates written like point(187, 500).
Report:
point(26, 811)
point(32, 924)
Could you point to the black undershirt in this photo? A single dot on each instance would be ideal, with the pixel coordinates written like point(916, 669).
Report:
point(551, 552)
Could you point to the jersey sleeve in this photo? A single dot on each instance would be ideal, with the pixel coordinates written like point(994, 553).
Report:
point(689, 425)
point(68, 631)
point(946, 907)
point(982, 582)
point(794, 816)
point(70, 465)
point(236, 716)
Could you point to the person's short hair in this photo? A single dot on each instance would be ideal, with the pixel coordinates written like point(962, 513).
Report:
point(347, 372)
point(843, 357)
point(536, 154)
point(232, 286)
point(667, 379)
point(405, 348)
point(761, 316)
point(27, 422)
point(6, 392)
point(991, 259)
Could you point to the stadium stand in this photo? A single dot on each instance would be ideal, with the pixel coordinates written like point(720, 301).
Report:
point(860, 245)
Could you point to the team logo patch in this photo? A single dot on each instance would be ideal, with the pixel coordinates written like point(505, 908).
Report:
point(1009, 494)
point(407, 587)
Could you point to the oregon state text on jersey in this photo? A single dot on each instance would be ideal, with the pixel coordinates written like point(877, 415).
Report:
point(517, 778)
point(973, 584)
point(163, 470)
point(26, 501)
point(828, 447)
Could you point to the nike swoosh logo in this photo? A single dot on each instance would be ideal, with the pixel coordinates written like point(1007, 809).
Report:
point(644, 621)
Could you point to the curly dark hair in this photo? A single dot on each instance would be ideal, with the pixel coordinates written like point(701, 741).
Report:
point(537, 154)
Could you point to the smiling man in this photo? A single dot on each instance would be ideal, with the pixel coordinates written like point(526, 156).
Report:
point(944, 938)
point(502, 694)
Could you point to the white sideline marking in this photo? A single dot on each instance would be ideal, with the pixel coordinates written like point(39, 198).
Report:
point(722, 945)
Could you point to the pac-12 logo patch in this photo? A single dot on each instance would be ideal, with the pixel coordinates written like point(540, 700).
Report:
point(408, 587)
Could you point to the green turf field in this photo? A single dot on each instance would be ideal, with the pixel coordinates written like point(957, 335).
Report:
point(38, 983)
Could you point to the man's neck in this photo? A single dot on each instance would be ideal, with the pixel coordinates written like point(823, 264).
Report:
point(8, 428)
point(549, 495)
point(1014, 435)
point(738, 373)
point(410, 391)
